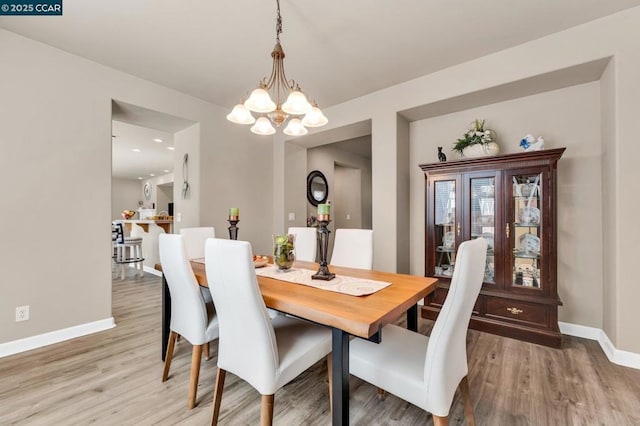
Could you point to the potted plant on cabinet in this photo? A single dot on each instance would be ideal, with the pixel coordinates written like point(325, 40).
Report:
point(477, 142)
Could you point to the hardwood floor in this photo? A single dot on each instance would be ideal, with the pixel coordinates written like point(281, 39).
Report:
point(114, 378)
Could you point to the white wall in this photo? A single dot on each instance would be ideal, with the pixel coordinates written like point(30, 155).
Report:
point(165, 196)
point(56, 151)
point(324, 158)
point(237, 175)
point(347, 197)
point(186, 210)
point(616, 36)
point(154, 195)
point(125, 194)
point(579, 181)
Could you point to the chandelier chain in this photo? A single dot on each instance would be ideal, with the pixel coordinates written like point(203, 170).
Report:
point(278, 22)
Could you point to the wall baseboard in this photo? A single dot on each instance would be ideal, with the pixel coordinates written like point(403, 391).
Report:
point(152, 271)
point(40, 340)
point(617, 356)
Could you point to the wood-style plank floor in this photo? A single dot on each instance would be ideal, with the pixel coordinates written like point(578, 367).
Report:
point(113, 378)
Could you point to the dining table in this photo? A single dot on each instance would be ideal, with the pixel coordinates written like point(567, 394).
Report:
point(346, 315)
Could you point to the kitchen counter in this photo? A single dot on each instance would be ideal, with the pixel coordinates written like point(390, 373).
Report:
point(167, 225)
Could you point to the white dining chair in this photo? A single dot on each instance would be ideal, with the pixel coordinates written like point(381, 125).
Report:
point(191, 317)
point(306, 243)
point(425, 371)
point(353, 248)
point(267, 353)
point(194, 239)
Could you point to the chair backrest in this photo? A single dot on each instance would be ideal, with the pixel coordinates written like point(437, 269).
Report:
point(194, 239)
point(247, 345)
point(306, 243)
point(188, 311)
point(446, 360)
point(117, 233)
point(353, 248)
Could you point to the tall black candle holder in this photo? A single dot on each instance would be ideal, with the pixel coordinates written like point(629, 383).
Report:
point(233, 229)
point(323, 247)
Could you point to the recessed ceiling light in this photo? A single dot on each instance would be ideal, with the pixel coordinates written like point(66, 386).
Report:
point(139, 177)
point(151, 174)
point(157, 140)
point(136, 150)
point(166, 171)
point(171, 148)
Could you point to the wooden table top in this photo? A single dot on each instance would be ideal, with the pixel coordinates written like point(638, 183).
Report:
point(360, 316)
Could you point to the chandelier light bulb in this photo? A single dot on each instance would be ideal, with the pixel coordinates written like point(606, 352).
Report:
point(296, 104)
point(295, 128)
point(260, 101)
point(263, 127)
point(241, 115)
point(314, 118)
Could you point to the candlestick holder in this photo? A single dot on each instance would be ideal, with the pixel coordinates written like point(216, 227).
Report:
point(323, 246)
point(233, 229)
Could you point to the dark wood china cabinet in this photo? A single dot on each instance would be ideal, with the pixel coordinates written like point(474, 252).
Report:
point(510, 200)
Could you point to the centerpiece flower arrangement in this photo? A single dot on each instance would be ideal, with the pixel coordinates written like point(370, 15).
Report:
point(481, 139)
point(283, 254)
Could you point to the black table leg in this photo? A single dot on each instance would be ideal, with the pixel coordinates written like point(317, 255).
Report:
point(340, 376)
point(412, 318)
point(166, 315)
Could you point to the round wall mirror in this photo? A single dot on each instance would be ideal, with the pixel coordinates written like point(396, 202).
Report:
point(317, 188)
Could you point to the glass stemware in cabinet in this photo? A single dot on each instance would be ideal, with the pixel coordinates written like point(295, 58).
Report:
point(527, 222)
point(445, 218)
point(483, 219)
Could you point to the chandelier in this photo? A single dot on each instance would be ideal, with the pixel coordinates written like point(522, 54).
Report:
point(296, 108)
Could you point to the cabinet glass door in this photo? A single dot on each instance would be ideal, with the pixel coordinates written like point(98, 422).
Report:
point(445, 226)
point(483, 218)
point(526, 225)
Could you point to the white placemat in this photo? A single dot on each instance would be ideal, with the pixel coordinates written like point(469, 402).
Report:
point(340, 284)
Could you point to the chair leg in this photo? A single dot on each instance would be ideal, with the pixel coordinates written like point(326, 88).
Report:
point(169, 355)
point(217, 395)
point(196, 356)
point(440, 421)
point(207, 354)
point(466, 399)
point(266, 413)
point(330, 373)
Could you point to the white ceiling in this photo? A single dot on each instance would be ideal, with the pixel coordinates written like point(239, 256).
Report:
point(153, 158)
point(336, 50)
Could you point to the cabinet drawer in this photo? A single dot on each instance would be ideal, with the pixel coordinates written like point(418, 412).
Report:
point(516, 311)
point(440, 295)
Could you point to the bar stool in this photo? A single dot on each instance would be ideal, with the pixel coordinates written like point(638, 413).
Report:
point(127, 250)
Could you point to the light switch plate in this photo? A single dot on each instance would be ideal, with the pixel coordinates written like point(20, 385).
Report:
point(292, 216)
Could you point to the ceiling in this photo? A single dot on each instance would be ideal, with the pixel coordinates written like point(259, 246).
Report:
point(154, 159)
point(336, 50)
point(218, 51)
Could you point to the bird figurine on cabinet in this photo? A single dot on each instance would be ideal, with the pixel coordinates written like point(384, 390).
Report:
point(441, 155)
point(527, 143)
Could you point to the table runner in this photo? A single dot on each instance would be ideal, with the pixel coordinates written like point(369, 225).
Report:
point(340, 284)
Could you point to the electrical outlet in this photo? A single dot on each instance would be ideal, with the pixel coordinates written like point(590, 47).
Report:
point(292, 216)
point(22, 313)
point(179, 217)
